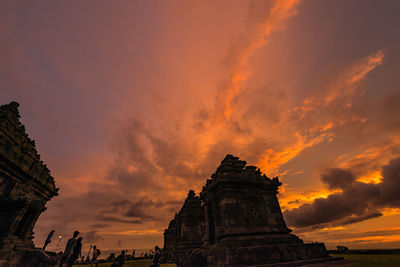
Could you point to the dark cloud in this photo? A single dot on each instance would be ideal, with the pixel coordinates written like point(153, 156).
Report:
point(355, 219)
point(98, 225)
point(337, 178)
point(143, 206)
point(142, 157)
point(115, 219)
point(390, 183)
point(137, 212)
point(357, 202)
point(92, 236)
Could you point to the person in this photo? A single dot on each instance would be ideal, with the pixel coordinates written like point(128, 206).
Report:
point(155, 262)
point(120, 260)
point(77, 252)
point(48, 240)
point(69, 248)
point(96, 254)
point(133, 254)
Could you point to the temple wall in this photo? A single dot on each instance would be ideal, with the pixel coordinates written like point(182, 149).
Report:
point(25, 187)
point(241, 223)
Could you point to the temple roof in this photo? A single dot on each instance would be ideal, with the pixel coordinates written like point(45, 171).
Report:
point(17, 148)
point(234, 169)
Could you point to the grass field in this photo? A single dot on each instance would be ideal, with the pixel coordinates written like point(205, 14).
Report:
point(352, 260)
point(361, 260)
point(136, 263)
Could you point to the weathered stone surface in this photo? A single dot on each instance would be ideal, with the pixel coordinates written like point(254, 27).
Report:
point(185, 231)
point(170, 241)
point(25, 187)
point(190, 223)
point(243, 222)
point(241, 207)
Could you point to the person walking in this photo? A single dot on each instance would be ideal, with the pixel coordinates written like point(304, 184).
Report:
point(77, 252)
point(96, 254)
point(48, 240)
point(155, 262)
point(69, 248)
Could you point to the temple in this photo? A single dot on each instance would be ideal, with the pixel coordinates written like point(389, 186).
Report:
point(243, 224)
point(185, 231)
point(25, 187)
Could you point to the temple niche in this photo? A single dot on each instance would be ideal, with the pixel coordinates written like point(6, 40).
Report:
point(25, 187)
point(243, 222)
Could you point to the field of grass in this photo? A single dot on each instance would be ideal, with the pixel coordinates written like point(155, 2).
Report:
point(352, 260)
point(362, 260)
point(135, 263)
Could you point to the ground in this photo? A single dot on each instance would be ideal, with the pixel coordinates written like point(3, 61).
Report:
point(357, 260)
point(135, 263)
point(352, 260)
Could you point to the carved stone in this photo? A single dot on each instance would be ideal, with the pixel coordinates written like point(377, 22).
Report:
point(185, 231)
point(244, 223)
point(25, 187)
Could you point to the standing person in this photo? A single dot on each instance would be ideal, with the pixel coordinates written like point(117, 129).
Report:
point(155, 262)
point(96, 254)
point(88, 255)
point(69, 248)
point(120, 260)
point(76, 254)
point(48, 240)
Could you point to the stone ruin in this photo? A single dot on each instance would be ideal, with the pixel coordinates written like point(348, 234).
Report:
point(185, 231)
point(241, 224)
point(25, 187)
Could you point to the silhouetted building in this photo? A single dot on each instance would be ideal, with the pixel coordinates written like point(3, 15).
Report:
point(25, 187)
point(243, 223)
point(170, 235)
point(185, 231)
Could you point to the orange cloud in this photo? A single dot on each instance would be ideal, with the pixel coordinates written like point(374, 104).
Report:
point(345, 85)
point(272, 160)
point(258, 28)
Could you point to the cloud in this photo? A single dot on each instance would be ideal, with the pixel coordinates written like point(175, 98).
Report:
point(105, 218)
point(337, 178)
point(263, 18)
point(357, 202)
point(320, 115)
point(92, 237)
point(390, 183)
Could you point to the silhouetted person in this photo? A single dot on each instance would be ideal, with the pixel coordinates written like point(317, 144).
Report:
point(120, 260)
point(96, 254)
point(76, 254)
point(48, 240)
point(155, 262)
point(69, 248)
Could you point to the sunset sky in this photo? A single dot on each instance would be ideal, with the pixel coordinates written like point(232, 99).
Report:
point(133, 103)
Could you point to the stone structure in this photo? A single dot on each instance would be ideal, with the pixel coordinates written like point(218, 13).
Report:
point(25, 187)
point(244, 223)
point(185, 231)
point(170, 236)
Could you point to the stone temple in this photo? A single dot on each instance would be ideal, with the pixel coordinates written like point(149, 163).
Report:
point(241, 224)
point(185, 232)
point(25, 187)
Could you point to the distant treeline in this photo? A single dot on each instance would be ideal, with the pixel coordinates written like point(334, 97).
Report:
point(366, 251)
